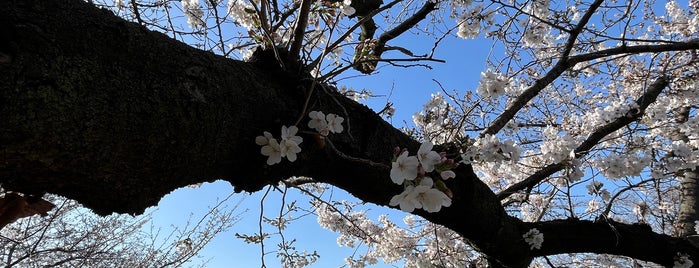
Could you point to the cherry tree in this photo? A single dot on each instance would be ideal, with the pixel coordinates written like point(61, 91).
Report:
point(581, 136)
point(70, 235)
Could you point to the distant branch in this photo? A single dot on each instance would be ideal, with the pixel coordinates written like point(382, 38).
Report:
point(563, 64)
point(567, 61)
point(405, 25)
point(643, 102)
point(607, 236)
point(351, 29)
point(299, 31)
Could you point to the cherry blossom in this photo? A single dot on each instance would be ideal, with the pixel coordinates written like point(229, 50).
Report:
point(492, 84)
point(289, 134)
point(427, 157)
point(347, 9)
point(534, 238)
point(334, 123)
point(405, 200)
point(404, 168)
point(325, 124)
point(447, 174)
point(194, 13)
point(263, 140)
point(240, 11)
point(427, 197)
point(682, 261)
point(317, 121)
point(289, 149)
point(273, 150)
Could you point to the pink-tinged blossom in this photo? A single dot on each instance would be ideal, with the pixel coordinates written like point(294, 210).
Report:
point(404, 168)
point(427, 157)
point(447, 174)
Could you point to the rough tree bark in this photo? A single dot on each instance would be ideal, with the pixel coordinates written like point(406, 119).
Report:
point(689, 186)
point(115, 116)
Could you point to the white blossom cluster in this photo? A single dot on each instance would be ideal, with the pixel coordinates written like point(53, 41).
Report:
point(325, 124)
point(244, 14)
point(609, 113)
point(192, 10)
point(615, 166)
point(435, 121)
point(532, 210)
point(119, 4)
point(682, 261)
point(417, 244)
point(679, 21)
point(596, 188)
point(536, 33)
point(420, 190)
point(492, 84)
point(274, 150)
point(682, 155)
point(592, 206)
point(534, 238)
point(473, 21)
point(555, 148)
point(489, 148)
point(289, 145)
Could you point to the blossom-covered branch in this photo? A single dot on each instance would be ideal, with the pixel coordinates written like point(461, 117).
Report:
point(594, 138)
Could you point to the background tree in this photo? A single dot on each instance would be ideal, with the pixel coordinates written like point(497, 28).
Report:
point(71, 235)
point(580, 138)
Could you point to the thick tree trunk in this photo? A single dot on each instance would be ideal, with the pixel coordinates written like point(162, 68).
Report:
point(115, 116)
point(689, 202)
point(689, 186)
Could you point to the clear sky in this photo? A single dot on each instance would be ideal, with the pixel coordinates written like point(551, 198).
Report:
point(407, 88)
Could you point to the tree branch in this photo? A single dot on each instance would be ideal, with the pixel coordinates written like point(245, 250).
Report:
point(637, 241)
point(299, 31)
point(115, 116)
point(405, 25)
point(595, 137)
point(566, 62)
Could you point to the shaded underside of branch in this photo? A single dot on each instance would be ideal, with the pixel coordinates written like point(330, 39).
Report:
point(606, 236)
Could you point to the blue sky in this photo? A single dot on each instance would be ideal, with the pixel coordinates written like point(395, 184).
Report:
point(409, 89)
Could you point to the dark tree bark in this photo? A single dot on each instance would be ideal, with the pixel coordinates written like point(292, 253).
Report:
point(116, 116)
